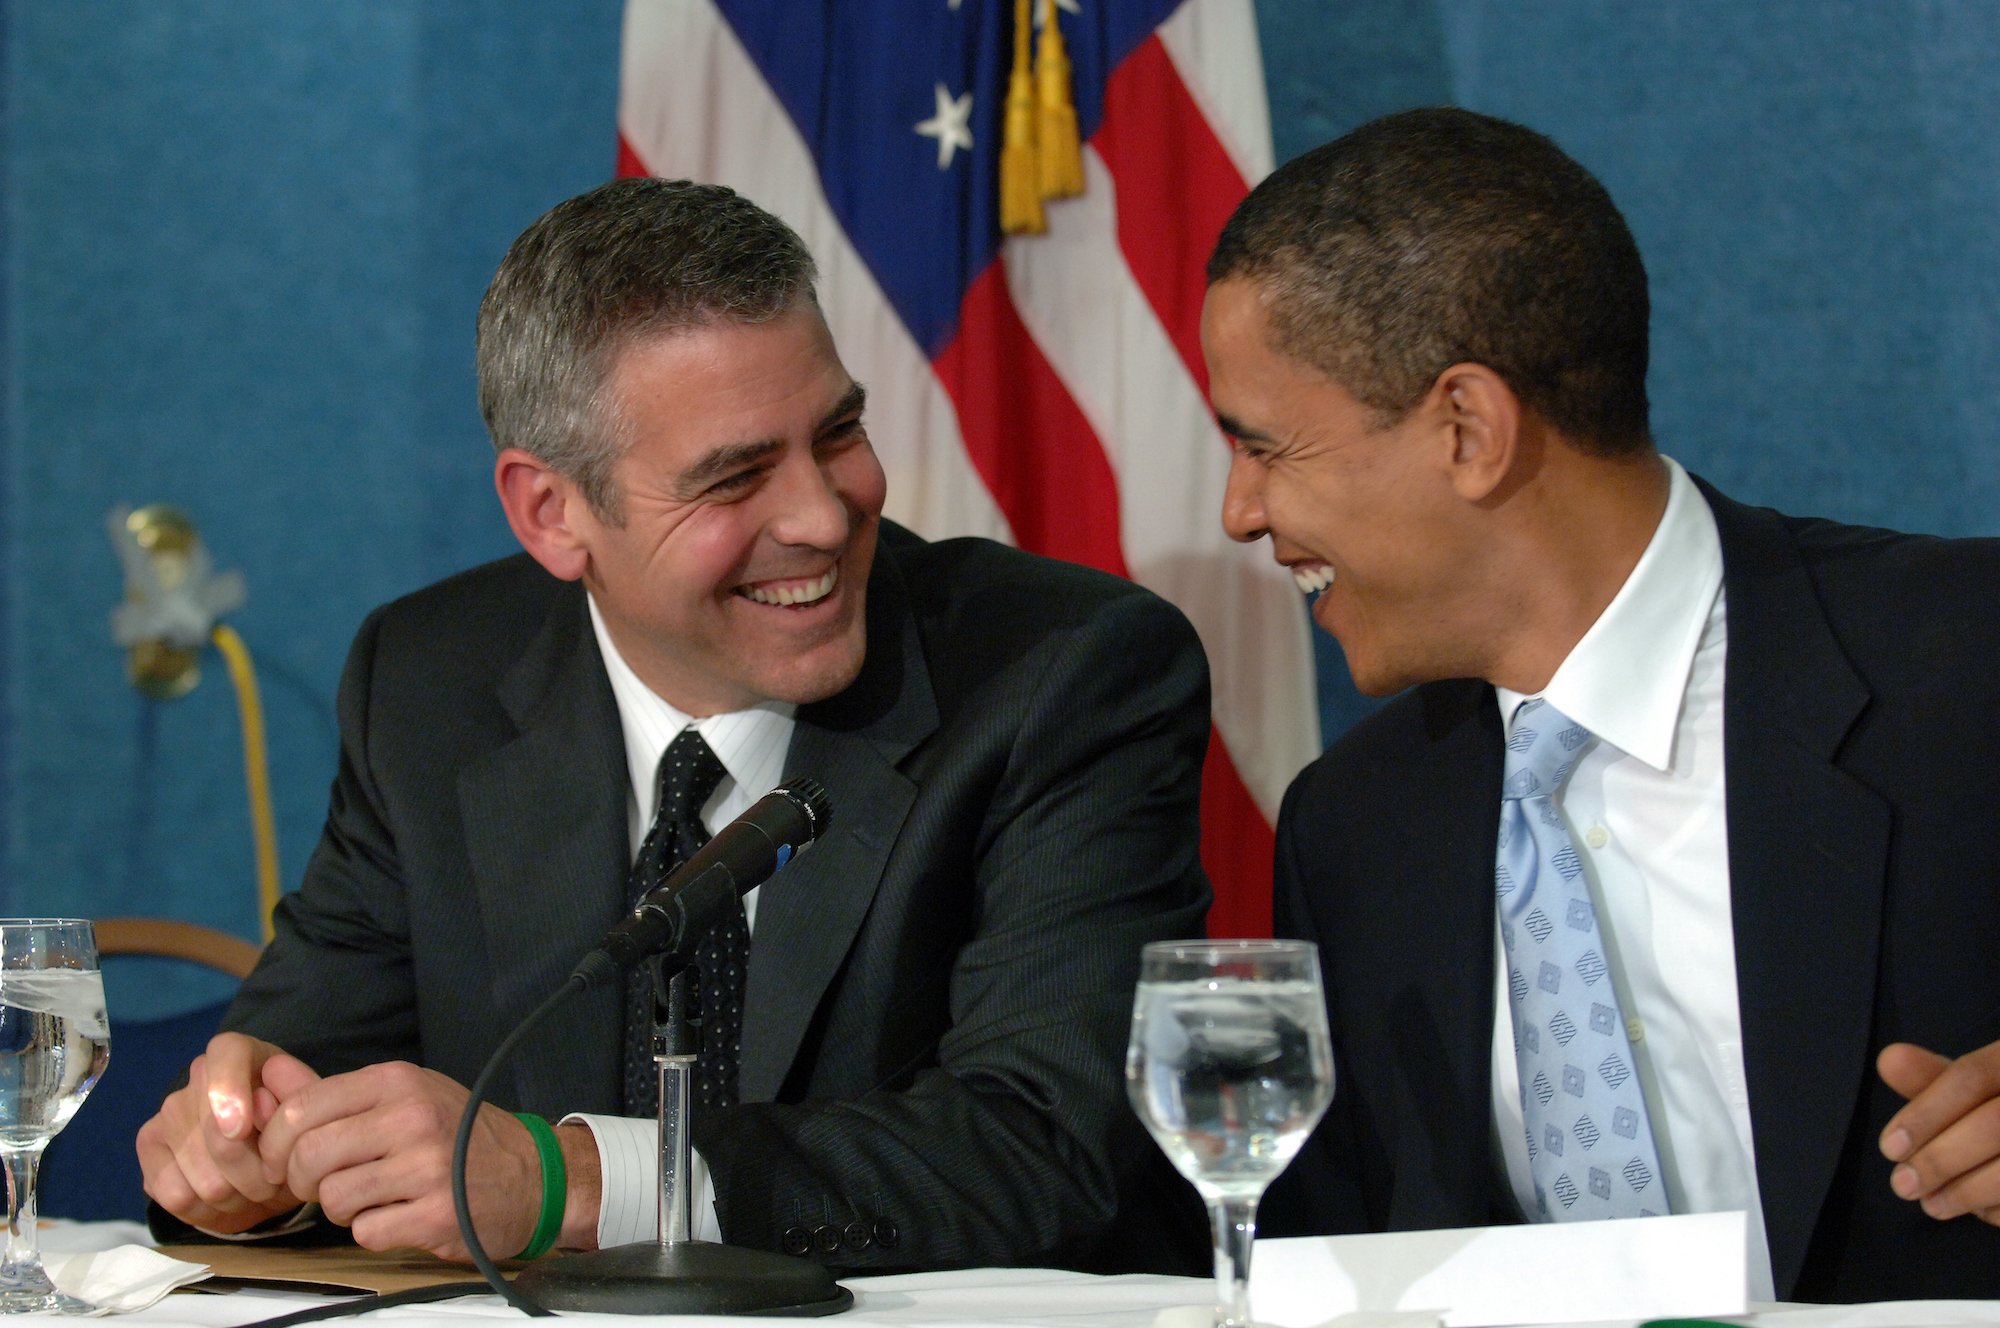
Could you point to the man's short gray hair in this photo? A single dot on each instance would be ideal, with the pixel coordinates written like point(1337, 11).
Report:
point(630, 260)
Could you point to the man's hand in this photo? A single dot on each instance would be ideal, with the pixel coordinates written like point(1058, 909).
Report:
point(200, 1155)
point(373, 1147)
point(1946, 1141)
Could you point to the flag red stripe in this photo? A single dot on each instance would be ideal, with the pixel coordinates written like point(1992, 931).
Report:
point(1039, 457)
point(1176, 187)
point(629, 164)
point(1237, 846)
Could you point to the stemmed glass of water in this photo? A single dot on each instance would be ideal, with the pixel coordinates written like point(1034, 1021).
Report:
point(54, 1041)
point(1230, 1067)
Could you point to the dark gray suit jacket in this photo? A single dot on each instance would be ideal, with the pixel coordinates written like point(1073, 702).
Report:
point(1861, 722)
point(939, 991)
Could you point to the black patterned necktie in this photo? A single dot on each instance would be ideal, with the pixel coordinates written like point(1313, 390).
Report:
point(688, 775)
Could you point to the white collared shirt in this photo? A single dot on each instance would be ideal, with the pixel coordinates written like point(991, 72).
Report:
point(751, 744)
point(1645, 808)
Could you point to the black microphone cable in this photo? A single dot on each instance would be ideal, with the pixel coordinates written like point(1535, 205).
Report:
point(576, 982)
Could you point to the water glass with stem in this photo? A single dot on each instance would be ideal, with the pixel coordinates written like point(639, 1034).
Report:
point(1230, 1067)
point(54, 1042)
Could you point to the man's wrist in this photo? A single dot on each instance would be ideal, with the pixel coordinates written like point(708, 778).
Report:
point(579, 1150)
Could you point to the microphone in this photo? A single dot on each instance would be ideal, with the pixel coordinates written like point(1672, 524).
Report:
point(699, 893)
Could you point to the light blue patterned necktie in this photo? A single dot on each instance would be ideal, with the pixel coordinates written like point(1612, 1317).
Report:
point(1590, 1144)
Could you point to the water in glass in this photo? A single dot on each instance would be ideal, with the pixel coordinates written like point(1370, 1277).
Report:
point(54, 1042)
point(1228, 1081)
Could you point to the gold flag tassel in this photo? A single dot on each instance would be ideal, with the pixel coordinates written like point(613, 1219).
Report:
point(1056, 145)
point(1020, 181)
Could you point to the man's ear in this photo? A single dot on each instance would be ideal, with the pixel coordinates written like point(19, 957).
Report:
point(1485, 419)
point(545, 511)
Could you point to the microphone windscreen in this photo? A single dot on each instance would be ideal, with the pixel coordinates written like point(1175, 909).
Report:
point(810, 796)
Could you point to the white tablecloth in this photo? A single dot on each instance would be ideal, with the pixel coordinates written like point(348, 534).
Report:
point(977, 1298)
point(983, 1298)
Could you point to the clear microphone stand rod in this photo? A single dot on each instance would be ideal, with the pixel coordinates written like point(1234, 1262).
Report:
point(677, 1274)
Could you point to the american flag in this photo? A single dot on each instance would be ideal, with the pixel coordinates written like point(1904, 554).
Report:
point(1044, 389)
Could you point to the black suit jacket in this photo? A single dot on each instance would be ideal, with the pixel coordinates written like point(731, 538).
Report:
point(1861, 731)
point(939, 992)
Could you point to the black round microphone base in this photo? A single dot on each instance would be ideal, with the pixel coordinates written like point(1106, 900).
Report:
point(692, 1277)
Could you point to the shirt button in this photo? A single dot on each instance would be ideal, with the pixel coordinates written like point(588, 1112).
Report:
point(1597, 836)
point(1636, 1031)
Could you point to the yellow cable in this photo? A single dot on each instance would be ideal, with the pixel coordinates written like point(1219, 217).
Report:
point(256, 769)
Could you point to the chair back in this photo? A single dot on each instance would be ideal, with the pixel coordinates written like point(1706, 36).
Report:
point(91, 1170)
point(168, 939)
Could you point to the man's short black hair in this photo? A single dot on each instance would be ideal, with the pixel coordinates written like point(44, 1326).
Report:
point(1440, 236)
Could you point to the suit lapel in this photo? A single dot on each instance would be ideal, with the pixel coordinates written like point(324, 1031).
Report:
point(1808, 851)
point(808, 914)
point(546, 834)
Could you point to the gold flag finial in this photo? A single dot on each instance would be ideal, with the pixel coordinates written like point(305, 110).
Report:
point(1020, 178)
point(1057, 150)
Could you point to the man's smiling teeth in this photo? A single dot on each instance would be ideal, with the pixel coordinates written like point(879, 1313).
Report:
point(804, 592)
point(1312, 580)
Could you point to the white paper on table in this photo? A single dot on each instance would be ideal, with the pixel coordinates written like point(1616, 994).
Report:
point(1479, 1277)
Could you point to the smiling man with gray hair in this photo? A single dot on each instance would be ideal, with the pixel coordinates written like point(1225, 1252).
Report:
point(918, 1063)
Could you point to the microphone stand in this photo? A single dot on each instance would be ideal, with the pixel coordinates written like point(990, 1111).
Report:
point(674, 1274)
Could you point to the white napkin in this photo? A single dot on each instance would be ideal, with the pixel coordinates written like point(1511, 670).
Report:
point(120, 1280)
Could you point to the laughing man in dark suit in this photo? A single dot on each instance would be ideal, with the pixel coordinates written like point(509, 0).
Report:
point(1762, 860)
point(937, 994)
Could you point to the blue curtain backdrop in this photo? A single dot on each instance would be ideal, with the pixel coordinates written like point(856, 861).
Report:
point(244, 244)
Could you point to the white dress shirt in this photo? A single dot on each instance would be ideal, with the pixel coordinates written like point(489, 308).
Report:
point(1645, 808)
point(751, 744)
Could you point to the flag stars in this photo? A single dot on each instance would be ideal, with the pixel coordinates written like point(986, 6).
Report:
point(951, 126)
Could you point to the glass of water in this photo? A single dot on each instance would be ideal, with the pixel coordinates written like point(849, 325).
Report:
point(54, 1041)
point(1230, 1067)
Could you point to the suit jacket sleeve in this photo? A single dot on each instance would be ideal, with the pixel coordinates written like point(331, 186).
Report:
point(335, 987)
point(341, 935)
point(1059, 799)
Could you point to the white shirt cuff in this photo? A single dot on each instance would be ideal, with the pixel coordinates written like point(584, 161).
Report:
point(628, 1163)
point(299, 1219)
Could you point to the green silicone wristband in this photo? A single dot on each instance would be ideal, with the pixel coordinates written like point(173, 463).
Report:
point(555, 1186)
